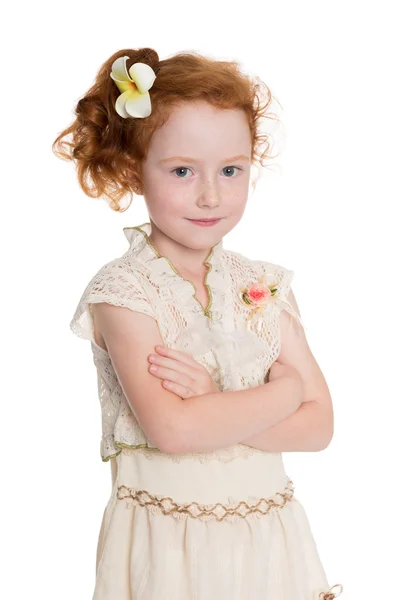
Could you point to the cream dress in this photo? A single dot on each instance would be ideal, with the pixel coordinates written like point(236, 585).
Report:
point(220, 525)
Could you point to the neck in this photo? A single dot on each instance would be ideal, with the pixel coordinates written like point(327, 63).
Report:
point(185, 260)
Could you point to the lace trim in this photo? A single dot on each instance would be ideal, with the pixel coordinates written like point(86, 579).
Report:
point(231, 512)
point(332, 593)
point(145, 228)
point(107, 458)
point(222, 454)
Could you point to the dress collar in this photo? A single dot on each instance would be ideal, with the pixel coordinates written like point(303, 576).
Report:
point(141, 246)
point(143, 250)
point(202, 337)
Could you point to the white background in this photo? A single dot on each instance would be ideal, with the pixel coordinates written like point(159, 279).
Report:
point(328, 210)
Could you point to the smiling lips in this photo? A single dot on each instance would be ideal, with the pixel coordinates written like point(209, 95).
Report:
point(204, 222)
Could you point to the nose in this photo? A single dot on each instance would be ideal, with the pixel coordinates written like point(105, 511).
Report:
point(208, 194)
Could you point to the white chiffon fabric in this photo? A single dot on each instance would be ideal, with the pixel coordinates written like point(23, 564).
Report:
point(220, 525)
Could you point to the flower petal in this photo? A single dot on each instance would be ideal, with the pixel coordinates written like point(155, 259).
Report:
point(119, 71)
point(138, 105)
point(125, 86)
point(143, 75)
point(268, 279)
point(120, 104)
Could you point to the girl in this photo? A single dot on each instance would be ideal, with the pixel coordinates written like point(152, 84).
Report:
point(204, 373)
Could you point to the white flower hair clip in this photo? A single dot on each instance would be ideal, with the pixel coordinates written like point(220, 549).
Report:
point(134, 100)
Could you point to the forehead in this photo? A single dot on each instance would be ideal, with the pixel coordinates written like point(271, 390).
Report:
point(199, 127)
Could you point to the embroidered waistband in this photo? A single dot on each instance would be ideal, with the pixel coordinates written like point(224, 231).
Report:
point(229, 512)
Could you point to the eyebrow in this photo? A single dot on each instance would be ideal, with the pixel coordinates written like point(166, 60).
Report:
point(193, 160)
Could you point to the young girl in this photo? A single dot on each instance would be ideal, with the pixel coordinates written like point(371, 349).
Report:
point(204, 373)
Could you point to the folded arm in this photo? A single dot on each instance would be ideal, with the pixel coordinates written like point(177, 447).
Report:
point(196, 424)
point(310, 427)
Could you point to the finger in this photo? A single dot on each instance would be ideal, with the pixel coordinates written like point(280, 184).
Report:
point(177, 355)
point(177, 389)
point(174, 365)
point(171, 375)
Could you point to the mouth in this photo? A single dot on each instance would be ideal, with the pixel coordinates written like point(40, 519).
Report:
point(205, 220)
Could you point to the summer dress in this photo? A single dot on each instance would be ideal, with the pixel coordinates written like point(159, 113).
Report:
point(220, 525)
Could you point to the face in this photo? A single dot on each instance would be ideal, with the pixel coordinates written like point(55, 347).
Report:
point(208, 179)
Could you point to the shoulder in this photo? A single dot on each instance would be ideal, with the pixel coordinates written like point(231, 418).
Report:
point(118, 282)
point(274, 273)
point(247, 271)
point(119, 271)
point(277, 274)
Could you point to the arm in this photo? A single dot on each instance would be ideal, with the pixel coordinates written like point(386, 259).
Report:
point(200, 423)
point(306, 430)
point(310, 428)
point(219, 419)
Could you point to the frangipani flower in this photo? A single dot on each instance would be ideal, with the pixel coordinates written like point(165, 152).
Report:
point(135, 98)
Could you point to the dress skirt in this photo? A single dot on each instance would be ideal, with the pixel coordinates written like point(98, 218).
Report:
point(212, 529)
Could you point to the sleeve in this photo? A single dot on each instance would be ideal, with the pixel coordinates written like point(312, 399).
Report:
point(279, 279)
point(285, 278)
point(117, 284)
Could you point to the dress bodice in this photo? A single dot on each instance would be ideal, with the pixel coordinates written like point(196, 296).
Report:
point(233, 338)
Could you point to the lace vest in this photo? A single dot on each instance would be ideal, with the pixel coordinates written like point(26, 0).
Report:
point(236, 341)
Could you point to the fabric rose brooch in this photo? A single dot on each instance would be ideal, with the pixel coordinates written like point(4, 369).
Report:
point(262, 294)
point(134, 85)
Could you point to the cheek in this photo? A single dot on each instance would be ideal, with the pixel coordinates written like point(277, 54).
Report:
point(164, 204)
point(238, 199)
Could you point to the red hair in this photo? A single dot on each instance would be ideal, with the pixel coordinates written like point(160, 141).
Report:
point(108, 149)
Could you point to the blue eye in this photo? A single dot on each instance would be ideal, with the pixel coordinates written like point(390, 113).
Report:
point(187, 169)
point(181, 169)
point(233, 168)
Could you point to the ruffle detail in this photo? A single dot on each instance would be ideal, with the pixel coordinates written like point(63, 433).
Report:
point(242, 347)
point(204, 339)
point(224, 455)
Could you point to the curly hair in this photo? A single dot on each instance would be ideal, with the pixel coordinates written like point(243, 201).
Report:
point(108, 150)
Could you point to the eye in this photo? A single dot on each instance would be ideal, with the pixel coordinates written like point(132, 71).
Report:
point(229, 169)
point(181, 169)
point(238, 168)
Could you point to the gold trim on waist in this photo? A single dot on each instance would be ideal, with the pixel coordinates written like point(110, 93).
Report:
point(205, 512)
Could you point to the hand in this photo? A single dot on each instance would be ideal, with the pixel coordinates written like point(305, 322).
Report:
point(180, 373)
